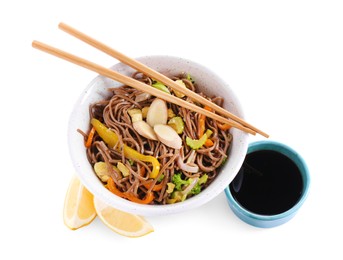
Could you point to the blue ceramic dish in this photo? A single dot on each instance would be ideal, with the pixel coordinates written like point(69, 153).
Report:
point(268, 221)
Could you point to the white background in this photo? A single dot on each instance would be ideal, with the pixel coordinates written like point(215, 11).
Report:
point(283, 59)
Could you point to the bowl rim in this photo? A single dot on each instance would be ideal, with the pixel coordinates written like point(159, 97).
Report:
point(300, 162)
point(152, 210)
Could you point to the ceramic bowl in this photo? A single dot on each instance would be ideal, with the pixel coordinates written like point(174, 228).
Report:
point(268, 221)
point(208, 82)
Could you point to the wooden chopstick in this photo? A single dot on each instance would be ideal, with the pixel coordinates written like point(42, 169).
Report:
point(134, 83)
point(155, 75)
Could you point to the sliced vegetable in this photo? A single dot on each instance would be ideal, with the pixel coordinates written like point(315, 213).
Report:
point(181, 195)
point(196, 143)
point(201, 122)
point(101, 171)
point(142, 171)
point(197, 188)
point(178, 196)
point(123, 169)
point(161, 87)
point(145, 111)
point(170, 113)
point(188, 167)
point(177, 124)
point(90, 137)
point(136, 114)
point(111, 139)
point(191, 157)
point(182, 84)
point(224, 126)
point(156, 187)
point(209, 143)
point(149, 197)
point(113, 188)
point(134, 155)
point(201, 126)
point(208, 133)
point(144, 129)
point(203, 179)
point(170, 187)
point(168, 136)
point(157, 113)
point(142, 97)
point(171, 201)
point(191, 185)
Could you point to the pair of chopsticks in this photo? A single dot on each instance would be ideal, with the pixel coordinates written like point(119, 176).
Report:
point(233, 120)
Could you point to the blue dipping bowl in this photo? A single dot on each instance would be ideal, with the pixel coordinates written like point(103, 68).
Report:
point(268, 221)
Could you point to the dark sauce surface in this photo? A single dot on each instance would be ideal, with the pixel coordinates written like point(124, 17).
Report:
point(268, 183)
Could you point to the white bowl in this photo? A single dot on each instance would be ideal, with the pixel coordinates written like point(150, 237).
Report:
point(208, 82)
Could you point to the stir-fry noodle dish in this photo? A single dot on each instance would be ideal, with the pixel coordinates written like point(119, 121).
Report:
point(150, 151)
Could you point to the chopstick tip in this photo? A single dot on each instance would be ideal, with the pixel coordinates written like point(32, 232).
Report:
point(63, 26)
point(34, 43)
point(60, 25)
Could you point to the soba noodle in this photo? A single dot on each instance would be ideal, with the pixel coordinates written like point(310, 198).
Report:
point(113, 113)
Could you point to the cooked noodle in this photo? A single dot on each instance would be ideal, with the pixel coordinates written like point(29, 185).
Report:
point(114, 114)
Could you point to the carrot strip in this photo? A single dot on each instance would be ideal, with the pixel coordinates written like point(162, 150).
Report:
point(142, 171)
point(90, 138)
point(157, 187)
point(148, 198)
point(112, 187)
point(208, 108)
point(201, 124)
point(209, 143)
point(224, 126)
point(147, 185)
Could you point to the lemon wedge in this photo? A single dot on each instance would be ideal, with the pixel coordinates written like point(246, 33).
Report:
point(123, 223)
point(78, 205)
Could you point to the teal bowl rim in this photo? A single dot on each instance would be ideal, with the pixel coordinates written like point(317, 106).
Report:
point(295, 157)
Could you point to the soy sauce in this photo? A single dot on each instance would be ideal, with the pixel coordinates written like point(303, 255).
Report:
point(268, 183)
